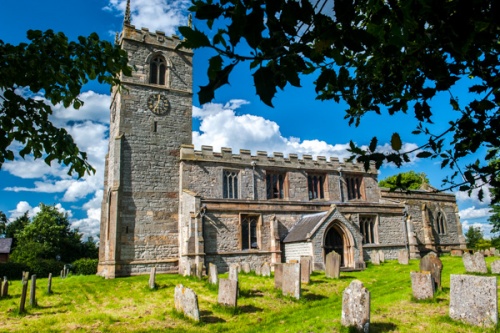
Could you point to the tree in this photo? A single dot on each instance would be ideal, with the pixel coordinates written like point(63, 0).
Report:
point(473, 236)
point(52, 66)
point(3, 223)
point(392, 55)
point(48, 236)
point(13, 228)
point(406, 180)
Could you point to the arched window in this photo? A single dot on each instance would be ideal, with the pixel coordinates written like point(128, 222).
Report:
point(440, 224)
point(158, 70)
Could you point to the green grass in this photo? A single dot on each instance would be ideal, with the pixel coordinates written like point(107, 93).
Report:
point(93, 304)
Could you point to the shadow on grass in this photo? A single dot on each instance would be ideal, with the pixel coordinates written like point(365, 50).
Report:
point(313, 297)
point(382, 327)
point(249, 309)
point(208, 318)
point(251, 293)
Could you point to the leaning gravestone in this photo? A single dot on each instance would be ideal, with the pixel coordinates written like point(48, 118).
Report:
point(381, 256)
point(152, 278)
point(431, 263)
point(403, 257)
point(422, 285)
point(375, 257)
point(266, 269)
point(212, 274)
point(473, 299)
point(186, 301)
point(233, 272)
point(305, 270)
point(291, 280)
point(228, 292)
point(5, 288)
point(245, 267)
point(474, 263)
point(332, 265)
point(356, 307)
point(278, 276)
point(495, 267)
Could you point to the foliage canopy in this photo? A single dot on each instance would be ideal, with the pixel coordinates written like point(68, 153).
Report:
point(405, 180)
point(55, 68)
point(374, 55)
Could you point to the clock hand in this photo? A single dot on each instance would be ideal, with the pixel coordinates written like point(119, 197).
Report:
point(157, 104)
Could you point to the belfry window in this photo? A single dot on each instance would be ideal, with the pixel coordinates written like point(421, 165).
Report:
point(250, 232)
point(157, 70)
point(369, 230)
point(275, 185)
point(316, 186)
point(230, 184)
point(354, 187)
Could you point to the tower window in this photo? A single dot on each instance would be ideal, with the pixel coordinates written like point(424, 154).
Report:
point(275, 185)
point(315, 186)
point(230, 184)
point(354, 187)
point(158, 69)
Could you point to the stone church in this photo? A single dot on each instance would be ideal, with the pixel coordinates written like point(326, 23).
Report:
point(167, 205)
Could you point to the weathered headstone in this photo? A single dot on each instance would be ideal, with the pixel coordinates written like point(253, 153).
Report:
point(49, 284)
point(152, 278)
point(487, 253)
point(473, 299)
point(33, 302)
point(495, 267)
point(233, 272)
point(258, 269)
point(403, 257)
point(245, 267)
point(332, 265)
point(212, 274)
point(266, 269)
point(375, 257)
point(200, 268)
point(310, 258)
point(457, 252)
point(493, 251)
point(305, 270)
point(24, 291)
point(228, 292)
point(5, 287)
point(278, 276)
point(474, 263)
point(356, 307)
point(291, 280)
point(422, 285)
point(381, 256)
point(186, 301)
point(431, 263)
point(194, 270)
point(187, 269)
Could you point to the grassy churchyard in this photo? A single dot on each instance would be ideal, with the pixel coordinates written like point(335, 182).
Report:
point(93, 304)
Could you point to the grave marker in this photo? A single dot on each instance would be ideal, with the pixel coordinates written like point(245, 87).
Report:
point(5, 287)
point(49, 284)
point(186, 301)
point(33, 302)
point(495, 267)
point(212, 274)
point(278, 276)
point(375, 257)
point(356, 307)
point(228, 292)
point(381, 256)
point(245, 267)
point(152, 278)
point(431, 263)
point(266, 269)
point(233, 272)
point(305, 270)
point(403, 257)
point(422, 285)
point(474, 263)
point(332, 265)
point(291, 280)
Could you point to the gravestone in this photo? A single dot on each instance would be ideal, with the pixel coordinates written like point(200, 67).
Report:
point(5, 287)
point(212, 274)
point(193, 270)
point(152, 278)
point(291, 280)
point(258, 269)
point(24, 291)
point(356, 307)
point(381, 256)
point(266, 269)
point(278, 276)
point(245, 267)
point(233, 272)
point(457, 252)
point(187, 269)
point(33, 302)
point(375, 257)
point(422, 285)
point(310, 258)
point(431, 263)
point(403, 257)
point(49, 284)
point(305, 270)
point(186, 302)
point(228, 292)
point(473, 299)
point(495, 267)
point(474, 263)
point(332, 265)
point(487, 253)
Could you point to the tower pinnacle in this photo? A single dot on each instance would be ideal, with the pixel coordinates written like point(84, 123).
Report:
point(126, 19)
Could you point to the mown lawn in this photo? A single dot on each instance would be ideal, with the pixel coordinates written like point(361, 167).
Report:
point(93, 304)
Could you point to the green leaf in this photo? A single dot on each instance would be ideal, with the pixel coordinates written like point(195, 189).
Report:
point(396, 142)
point(194, 38)
point(265, 85)
point(373, 144)
point(424, 154)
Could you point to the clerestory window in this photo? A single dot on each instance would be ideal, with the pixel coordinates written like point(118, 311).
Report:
point(250, 232)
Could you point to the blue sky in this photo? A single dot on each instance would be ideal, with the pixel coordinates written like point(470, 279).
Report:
point(236, 118)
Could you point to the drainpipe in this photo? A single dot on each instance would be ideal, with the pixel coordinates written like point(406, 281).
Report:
point(340, 185)
point(253, 178)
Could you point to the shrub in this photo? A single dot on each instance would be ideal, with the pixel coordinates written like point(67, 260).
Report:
point(43, 267)
point(13, 270)
point(85, 266)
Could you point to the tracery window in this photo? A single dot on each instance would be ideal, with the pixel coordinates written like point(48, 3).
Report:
point(440, 224)
point(158, 70)
point(315, 186)
point(369, 230)
point(250, 232)
point(230, 184)
point(354, 187)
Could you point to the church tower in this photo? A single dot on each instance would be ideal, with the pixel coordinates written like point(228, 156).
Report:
point(150, 119)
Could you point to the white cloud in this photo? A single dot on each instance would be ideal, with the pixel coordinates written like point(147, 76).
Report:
point(23, 207)
point(162, 15)
point(475, 213)
point(95, 108)
point(485, 228)
point(463, 197)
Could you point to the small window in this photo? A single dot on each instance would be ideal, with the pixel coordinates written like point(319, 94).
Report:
point(440, 224)
point(354, 187)
point(316, 186)
point(368, 228)
point(158, 69)
point(250, 232)
point(230, 184)
point(275, 185)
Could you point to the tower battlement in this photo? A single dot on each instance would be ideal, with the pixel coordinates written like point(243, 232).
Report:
point(156, 38)
point(264, 159)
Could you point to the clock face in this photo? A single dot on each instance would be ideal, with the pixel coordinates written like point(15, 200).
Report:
point(158, 104)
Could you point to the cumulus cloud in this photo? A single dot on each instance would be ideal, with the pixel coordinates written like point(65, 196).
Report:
point(162, 15)
point(23, 207)
point(475, 213)
point(485, 227)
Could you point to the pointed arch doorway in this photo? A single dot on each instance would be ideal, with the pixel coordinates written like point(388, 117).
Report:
point(339, 239)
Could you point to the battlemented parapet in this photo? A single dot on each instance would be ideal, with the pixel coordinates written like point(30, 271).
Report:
point(157, 38)
point(277, 159)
